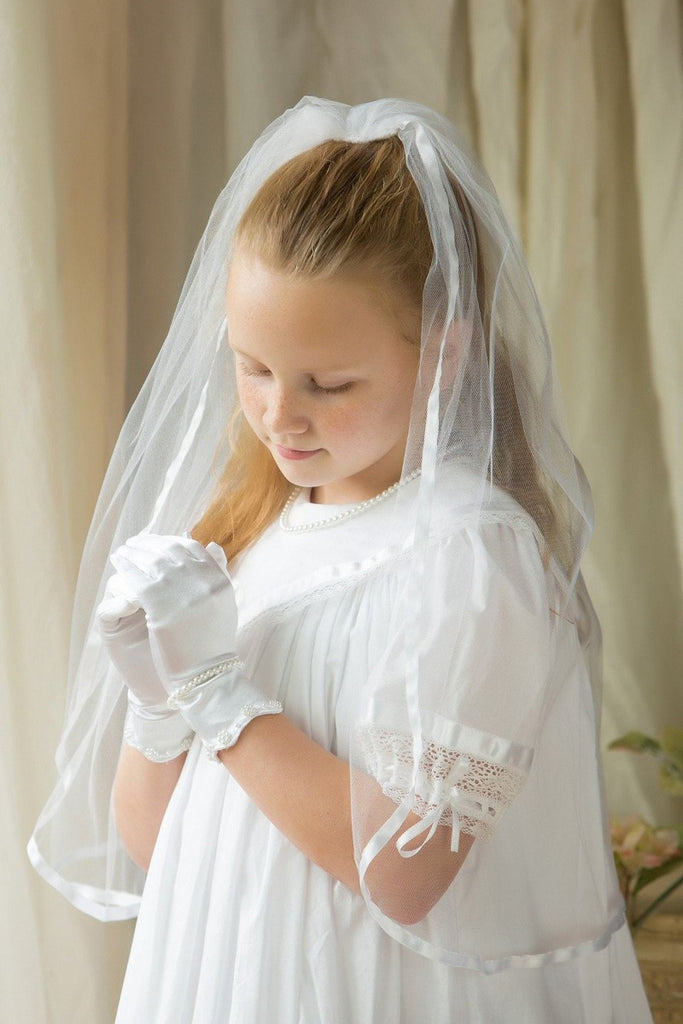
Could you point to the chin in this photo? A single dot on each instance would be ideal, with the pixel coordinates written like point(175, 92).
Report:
point(297, 475)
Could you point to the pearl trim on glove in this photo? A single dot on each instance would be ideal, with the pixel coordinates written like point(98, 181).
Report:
point(219, 703)
point(202, 677)
point(158, 733)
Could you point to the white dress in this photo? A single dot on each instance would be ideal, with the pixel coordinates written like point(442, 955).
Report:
point(237, 926)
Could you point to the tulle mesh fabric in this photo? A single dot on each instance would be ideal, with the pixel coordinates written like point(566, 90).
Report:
point(485, 386)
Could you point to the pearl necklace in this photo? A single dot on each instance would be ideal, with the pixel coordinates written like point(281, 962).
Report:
point(347, 513)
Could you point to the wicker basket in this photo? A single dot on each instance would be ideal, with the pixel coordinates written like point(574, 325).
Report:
point(659, 947)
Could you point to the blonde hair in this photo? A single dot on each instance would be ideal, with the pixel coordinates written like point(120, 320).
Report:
point(340, 208)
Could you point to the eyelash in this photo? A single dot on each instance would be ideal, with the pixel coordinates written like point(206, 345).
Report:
point(249, 371)
point(339, 389)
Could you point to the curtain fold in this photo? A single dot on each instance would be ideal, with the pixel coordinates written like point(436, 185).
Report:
point(63, 347)
point(120, 122)
point(654, 44)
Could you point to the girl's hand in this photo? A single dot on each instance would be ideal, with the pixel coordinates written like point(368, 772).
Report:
point(188, 601)
point(123, 628)
point(159, 732)
point(192, 621)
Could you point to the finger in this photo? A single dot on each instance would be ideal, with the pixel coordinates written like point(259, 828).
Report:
point(180, 549)
point(114, 608)
point(118, 594)
point(111, 624)
point(133, 582)
point(197, 551)
point(127, 559)
point(172, 550)
point(114, 587)
point(168, 547)
point(218, 555)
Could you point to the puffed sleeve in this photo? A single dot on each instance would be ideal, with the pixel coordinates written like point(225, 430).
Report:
point(479, 664)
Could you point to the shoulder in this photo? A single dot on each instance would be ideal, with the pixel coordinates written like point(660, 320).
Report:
point(484, 552)
point(469, 515)
point(462, 498)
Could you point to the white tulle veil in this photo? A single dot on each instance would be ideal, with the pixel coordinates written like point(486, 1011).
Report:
point(162, 475)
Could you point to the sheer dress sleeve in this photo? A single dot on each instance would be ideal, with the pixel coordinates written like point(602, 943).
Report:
point(483, 665)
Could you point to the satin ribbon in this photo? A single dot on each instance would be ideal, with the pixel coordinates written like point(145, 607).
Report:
point(430, 160)
point(425, 149)
point(431, 820)
point(425, 495)
point(429, 825)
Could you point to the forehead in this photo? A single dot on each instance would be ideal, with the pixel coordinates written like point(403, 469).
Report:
point(271, 313)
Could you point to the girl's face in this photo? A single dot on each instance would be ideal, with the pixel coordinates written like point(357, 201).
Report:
point(325, 378)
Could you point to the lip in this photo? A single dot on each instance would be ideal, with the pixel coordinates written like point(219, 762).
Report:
point(296, 454)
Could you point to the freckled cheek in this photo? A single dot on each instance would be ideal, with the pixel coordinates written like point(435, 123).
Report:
point(251, 402)
point(341, 423)
point(364, 423)
point(353, 426)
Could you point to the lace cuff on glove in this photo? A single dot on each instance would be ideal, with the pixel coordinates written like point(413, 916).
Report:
point(158, 732)
point(219, 703)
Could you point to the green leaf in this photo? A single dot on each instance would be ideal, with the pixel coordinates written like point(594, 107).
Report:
point(672, 745)
point(649, 875)
point(636, 741)
point(670, 779)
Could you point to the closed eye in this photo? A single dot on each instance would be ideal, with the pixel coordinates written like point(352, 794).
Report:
point(253, 371)
point(338, 389)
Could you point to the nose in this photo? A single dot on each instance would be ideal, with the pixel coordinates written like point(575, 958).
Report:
point(283, 414)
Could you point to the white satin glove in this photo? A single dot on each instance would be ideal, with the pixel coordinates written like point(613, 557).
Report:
point(191, 615)
point(188, 601)
point(157, 731)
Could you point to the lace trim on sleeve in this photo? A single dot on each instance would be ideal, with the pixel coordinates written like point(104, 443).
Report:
point(473, 788)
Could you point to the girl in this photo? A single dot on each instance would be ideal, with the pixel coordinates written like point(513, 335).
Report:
point(360, 764)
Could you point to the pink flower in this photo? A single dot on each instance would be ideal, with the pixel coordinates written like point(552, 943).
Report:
point(637, 845)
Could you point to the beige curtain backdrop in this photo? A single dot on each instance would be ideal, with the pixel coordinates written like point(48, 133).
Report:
point(119, 122)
